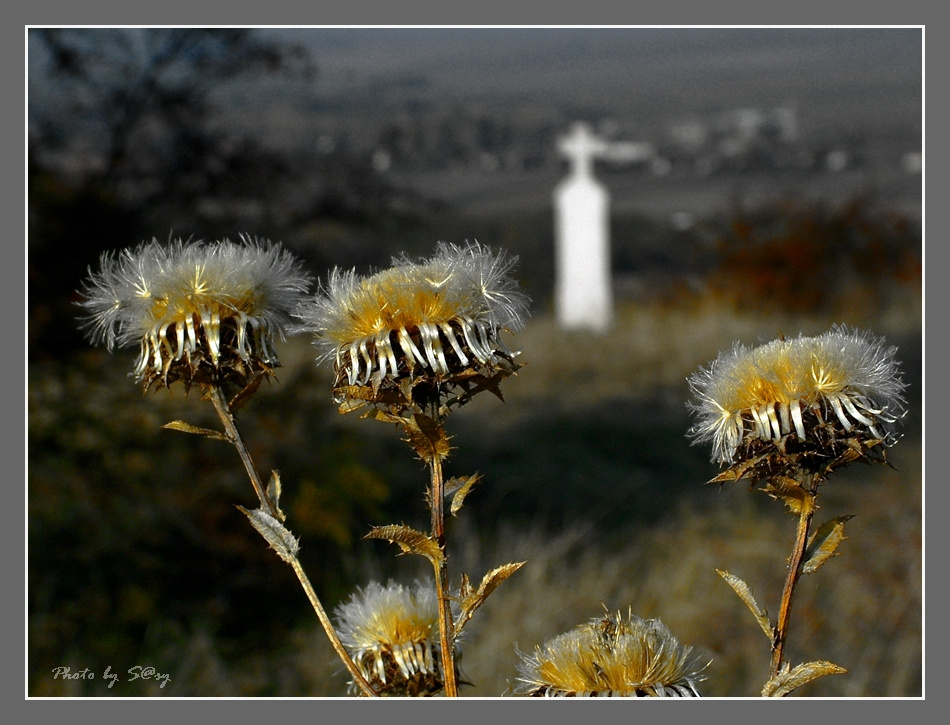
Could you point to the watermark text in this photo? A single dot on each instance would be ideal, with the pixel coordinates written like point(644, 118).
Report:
point(138, 672)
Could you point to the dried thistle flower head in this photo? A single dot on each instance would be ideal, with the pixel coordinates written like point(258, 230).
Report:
point(612, 657)
point(392, 634)
point(418, 331)
point(200, 312)
point(813, 403)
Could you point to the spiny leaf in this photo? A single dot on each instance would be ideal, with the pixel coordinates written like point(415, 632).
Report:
point(246, 393)
point(348, 405)
point(367, 395)
point(475, 383)
point(823, 543)
point(859, 449)
point(495, 577)
point(273, 495)
point(427, 437)
point(745, 594)
point(787, 679)
point(460, 487)
point(470, 601)
point(727, 476)
point(184, 427)
point(274, 532)
point(354, 397)
point(739, 470)
point(377, 414)
point(790, 492)
point(409, 540)
point(465, 588)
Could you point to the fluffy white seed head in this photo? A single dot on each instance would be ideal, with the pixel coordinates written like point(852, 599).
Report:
point(175, 299)
point(438, 314)
point(392, 634)
point(787, 386)
point(612, 657)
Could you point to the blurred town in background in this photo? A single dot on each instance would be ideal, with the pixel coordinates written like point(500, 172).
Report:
point(772, 186)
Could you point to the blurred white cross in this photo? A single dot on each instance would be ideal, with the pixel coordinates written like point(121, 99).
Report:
point(583, 289)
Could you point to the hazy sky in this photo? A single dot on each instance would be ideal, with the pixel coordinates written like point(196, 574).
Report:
point(872, 74)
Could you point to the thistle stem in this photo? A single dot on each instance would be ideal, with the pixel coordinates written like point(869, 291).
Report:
point(331, 632)
point(234, 436)
point(794, 574)
point(437, 498)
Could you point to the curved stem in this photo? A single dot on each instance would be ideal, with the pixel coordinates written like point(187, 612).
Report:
point(794, 573)
point(446, 635)
point(331, 633)
point(234, 435)
point(231, 430)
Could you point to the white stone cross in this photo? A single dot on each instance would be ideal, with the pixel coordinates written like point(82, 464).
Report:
point(583, 289)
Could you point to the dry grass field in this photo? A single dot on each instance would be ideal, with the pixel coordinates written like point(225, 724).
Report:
point(588, 477)
point(863, 610)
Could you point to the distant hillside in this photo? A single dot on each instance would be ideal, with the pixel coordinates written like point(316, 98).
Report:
point(871, 78)
point(460, 112)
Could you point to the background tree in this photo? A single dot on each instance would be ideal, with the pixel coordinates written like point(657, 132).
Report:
point(142, 133)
